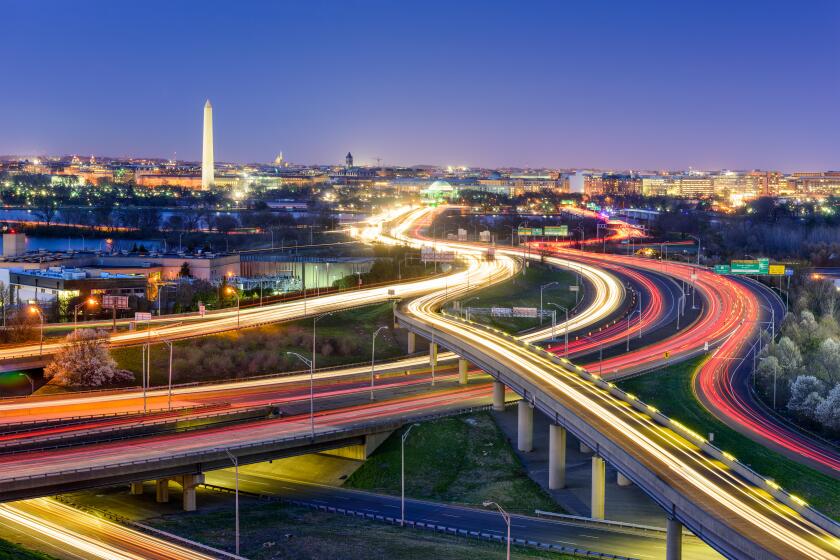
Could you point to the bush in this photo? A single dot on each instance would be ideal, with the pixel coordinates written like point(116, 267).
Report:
point(85, 361)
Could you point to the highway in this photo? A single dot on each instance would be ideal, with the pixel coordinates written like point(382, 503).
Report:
point(712, 488)
point(70, 533)
point(619, 542)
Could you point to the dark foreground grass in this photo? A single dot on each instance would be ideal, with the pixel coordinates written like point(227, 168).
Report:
point(465, 459)
point(341, 338)
point(523, 290)
point(670, 390)
point(11, 551)
point(274, 531)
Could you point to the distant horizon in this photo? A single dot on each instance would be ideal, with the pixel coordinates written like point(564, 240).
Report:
point(599, 85)
point(197, 163)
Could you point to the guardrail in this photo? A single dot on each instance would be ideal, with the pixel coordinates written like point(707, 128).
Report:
point(357, 429)
point(794, 502)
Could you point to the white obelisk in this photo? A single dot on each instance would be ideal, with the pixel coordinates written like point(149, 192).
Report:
point(207, 170)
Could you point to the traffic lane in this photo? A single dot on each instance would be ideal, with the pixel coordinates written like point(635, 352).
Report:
point(102, 455)
point(461, 517)
point(677, 462)
point(84, 535)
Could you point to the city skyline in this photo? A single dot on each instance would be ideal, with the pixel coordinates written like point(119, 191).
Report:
point(604, 86)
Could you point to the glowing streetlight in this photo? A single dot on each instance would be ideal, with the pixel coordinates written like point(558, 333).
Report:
point(90, 302)
point(33, 309)
point(232, 291)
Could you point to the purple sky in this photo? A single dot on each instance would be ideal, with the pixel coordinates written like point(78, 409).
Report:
point(640, 85)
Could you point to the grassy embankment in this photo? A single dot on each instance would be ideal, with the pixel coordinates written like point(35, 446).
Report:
point(670, 390)
point(464, 459)
point(280, 531)
point(523, 290)
point(11, 551)
point(342, 338)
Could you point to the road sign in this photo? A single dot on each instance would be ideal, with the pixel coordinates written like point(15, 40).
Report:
point(202, 309)
point(526, 231)
point(776, 270)
point(722, 269)
point(788, 272)
point(142, 316)
point(667, 355)
point(557, 231)
point(114, 302)
point(574, 288)
point(428, 254)
point(763, 266)
point(500, 312)
point(745, 267)
point(523, 312)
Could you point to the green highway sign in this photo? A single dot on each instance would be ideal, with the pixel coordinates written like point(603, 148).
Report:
point(745, 267)
point(529, 231)
point(759, 266)
point(722, 269)
point(561, 231)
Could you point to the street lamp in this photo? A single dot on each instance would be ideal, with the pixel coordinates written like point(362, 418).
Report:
point(696, 238)
point(311, 366)
point(235, 462)
point(89, 301)
point(233, 291)
point(35, 309)
point(373, 357)
point(169, 343)
point(543, 287)
point(775, 372)
point(565, 328)
point(506, 517)
point(476, 298)
point(402, 474)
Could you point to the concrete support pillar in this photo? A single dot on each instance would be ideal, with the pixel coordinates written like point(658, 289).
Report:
point(433, 352)
point(463, 365)
point(584, 448)
point(498, 396)
point(673, 540)
point(137, 488)
point(599, 475)
point(412, 342)
point(623, 480)
point(556, 457)
point(525, 427)
point(189, 482)
point(162, 490)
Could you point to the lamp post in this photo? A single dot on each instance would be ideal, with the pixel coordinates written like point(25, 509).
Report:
point(775, 372)
point(543, 287)
point(233, 291)
point(235, 462)
point(373, 357)
point(467, 316)
point(89, 301)
point(402, 474)
point(696, 238)
point(565, 327)
point(311, 366)
point(506, 517)
point(169, 343)
point(35, 309)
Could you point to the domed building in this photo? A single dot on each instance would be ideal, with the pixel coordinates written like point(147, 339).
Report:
point(439, 190)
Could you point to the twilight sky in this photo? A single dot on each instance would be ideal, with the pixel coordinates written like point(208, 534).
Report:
point(610, 84)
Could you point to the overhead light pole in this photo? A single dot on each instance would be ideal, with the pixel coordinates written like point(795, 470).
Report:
point(373, 357)
point(402, 474)
point(311, 390)
point(233, 291)
point(90, 301)
point(565, 327)
point(506, 517)
point(35, 309)
point(235, 462)
point(543, 287)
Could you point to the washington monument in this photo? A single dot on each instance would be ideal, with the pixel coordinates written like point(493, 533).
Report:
point(207, 177)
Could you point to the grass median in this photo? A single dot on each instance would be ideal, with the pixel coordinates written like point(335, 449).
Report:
point(523, 290)
point(272, 531)
point(11, 551)
point(465, 459)
point(670, 390)
point(341, 338)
